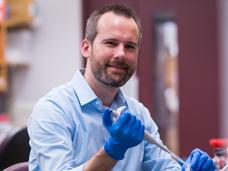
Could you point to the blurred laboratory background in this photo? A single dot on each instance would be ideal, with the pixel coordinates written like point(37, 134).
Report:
point(182, 76)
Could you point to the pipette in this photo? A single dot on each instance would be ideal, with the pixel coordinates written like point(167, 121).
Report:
point(148, 137)
point(225, 168)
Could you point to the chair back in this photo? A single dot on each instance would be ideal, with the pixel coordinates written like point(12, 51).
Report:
point(23, 166)
point(16, 149)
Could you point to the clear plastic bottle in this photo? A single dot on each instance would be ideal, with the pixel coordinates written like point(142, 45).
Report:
point(220, 148)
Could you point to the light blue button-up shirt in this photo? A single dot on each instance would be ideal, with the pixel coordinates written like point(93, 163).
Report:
point(66, 130)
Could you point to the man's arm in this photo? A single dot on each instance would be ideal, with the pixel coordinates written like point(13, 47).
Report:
point(125, 133)
point(100, 161)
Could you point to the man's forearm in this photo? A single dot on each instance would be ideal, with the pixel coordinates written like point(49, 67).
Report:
point(100, 161)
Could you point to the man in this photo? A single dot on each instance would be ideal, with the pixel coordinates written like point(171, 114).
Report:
point(72, 127)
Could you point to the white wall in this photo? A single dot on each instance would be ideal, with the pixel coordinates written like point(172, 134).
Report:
point(223, 15)
point(52, 48)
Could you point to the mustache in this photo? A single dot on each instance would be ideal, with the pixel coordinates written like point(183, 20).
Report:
point(118, 63)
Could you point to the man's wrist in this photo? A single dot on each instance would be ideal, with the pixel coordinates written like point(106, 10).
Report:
point(113, 150)
point(100, 161)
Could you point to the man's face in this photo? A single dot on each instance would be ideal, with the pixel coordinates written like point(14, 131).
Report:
point(113, 57)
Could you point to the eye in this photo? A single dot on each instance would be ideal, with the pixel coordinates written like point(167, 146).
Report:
point(111, 43)
point(130, 46)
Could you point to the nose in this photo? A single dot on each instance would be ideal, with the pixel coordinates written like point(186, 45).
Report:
point(120, 51)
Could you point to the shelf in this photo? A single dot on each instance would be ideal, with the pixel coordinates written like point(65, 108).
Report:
point(3, 77)
point(18, 22)
point(18, 64)
point(15, 59)
point(19, 13)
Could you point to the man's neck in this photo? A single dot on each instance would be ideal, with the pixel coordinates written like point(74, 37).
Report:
point(104, 92)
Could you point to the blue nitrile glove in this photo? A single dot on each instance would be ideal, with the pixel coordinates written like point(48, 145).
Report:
point(199, 161)
point(127, 131)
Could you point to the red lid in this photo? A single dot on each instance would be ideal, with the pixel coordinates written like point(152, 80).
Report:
point(219, 142)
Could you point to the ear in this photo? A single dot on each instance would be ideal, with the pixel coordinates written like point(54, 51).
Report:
point(85, 48)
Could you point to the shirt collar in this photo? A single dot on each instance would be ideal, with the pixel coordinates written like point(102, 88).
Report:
point(86, 95)
point(84, 92)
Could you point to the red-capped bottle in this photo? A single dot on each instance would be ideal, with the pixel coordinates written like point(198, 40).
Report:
point(220, 148)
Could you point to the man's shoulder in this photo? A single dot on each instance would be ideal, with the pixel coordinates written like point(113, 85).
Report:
point(60, 103)
point(58, 96)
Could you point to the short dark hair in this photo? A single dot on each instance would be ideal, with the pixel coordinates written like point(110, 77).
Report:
point(91, 25)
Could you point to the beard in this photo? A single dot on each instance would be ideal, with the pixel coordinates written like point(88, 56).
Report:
point(113, 73)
